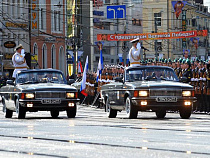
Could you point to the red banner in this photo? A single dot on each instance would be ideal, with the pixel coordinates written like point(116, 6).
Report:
point(151, 36)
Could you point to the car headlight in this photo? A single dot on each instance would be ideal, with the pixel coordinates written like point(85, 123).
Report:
point(70, 95)
point(143, 93)
point(29, 95)
point(186, 93)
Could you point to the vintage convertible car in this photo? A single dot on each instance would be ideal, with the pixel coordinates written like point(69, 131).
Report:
point(143, 88)
point(39, 90)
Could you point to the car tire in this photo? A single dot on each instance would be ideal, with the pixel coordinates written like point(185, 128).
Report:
point(54, 113)
point(9, 113)
point(21, 112)
point(185, 112)
point(111, 113)
point(131, 111)
point(71, 112)
point(160, 113)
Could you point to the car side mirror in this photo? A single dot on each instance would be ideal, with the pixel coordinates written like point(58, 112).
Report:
point(10, 82)
point(70, 81)
point(118, 79)
point(183, 79)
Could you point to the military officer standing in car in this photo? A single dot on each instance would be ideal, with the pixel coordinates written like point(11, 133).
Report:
point(134, 53)
point(18, 60)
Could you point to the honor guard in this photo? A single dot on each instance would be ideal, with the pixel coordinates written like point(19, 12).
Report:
point(208, 87)
point(18, 60)
point(187, 71)
point(134, 53)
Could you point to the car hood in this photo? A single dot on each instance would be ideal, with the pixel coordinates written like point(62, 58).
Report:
point(160, 84)
point(47, 87)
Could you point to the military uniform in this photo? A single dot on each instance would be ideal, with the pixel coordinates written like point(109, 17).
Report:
point(18, 61)
point(134, 53)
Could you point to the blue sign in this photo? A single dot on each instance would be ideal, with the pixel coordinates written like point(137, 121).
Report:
point(98, 13)
point(116, 11)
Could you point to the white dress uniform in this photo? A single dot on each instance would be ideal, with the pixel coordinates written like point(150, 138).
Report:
point(19, 63)
point(134, 55)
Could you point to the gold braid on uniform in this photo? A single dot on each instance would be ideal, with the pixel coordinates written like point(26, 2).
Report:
point(138, 57)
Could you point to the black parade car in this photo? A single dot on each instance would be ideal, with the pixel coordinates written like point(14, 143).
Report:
point(143, 88)
point(39, 90)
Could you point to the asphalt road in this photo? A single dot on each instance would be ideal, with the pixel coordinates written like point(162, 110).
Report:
point(91, 134)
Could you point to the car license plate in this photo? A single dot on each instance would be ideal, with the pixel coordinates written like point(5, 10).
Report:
point(51, 101)
point(166, 99)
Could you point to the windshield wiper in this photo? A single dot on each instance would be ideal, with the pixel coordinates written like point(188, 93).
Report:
point(163, 79)
point(29, 82)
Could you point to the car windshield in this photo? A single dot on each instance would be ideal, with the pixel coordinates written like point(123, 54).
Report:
point(40, 77)
point(150, 73)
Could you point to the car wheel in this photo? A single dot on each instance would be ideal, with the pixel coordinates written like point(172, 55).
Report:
point(111, 113)
point(131, 111)
point(20, 110)
point(185, 112)
point(54, 113)
point(160, 113)
point(71, 112)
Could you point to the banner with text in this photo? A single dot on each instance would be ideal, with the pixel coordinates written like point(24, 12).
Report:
point(151, 36)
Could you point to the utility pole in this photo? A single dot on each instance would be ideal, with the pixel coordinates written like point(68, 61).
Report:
point(29, 27)
point(155, 40)
point(168, 27)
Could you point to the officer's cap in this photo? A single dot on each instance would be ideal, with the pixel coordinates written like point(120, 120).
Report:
point(135, 40)
point(18, 47)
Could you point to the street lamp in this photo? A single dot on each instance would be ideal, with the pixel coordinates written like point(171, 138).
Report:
point(1, 65)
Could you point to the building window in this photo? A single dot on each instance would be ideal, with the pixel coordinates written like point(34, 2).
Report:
point(61, 59)
point(44, 56)
point(18, 8)
point(53, 57)
point(55, 20)
point(13, 8)
point(8, 6)
point(136, 22)
point(157, 17)
point(42, 18)
point(59, 21)
point(159, 46)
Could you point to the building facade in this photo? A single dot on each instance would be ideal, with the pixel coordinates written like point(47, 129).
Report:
point(160, 17)
point(40, 26)
point(48, 38)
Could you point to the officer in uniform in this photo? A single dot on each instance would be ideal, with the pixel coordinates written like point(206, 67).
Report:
point(18, 60)
point(134, 53)
point(187, 71)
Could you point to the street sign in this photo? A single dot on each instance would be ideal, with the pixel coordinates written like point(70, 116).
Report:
point(116, 11)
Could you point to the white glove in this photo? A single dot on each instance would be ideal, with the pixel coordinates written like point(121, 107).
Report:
point(138, 46)
point(23, 52)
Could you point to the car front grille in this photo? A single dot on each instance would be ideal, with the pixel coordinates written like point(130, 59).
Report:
point(162, 92)
point(40, 95)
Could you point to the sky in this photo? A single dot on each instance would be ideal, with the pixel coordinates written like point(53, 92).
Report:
point(207, 3)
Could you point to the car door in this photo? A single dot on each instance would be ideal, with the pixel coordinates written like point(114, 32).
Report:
point(119, 93)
